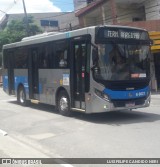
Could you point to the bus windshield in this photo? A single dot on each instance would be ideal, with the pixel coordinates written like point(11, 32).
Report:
point(117, 61)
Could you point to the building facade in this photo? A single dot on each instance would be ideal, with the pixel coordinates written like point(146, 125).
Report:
point(79, 4)
point(59, 21)
point(119, 12)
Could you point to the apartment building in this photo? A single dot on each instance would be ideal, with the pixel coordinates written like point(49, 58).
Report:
point(119, 12)
point(59, 21)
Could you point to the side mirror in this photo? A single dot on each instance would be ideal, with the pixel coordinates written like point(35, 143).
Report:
point(95, 68)
point(151, 42)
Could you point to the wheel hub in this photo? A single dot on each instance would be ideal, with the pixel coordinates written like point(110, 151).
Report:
point(21, 96)
point(63, 103)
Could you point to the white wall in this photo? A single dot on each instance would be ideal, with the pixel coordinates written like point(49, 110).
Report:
point(152, 9)
point(126, 12)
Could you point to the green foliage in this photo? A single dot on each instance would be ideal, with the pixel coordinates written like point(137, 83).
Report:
point(16, 30)
point(0, 59)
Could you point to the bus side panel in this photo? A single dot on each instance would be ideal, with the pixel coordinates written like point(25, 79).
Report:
point(49, 82)
point(95, 104)
point(21, 78)
point(5, 81)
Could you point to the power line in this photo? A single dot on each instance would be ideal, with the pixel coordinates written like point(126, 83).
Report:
point(101, 21)
point(9, 8)
point(2, 11)
point(98, 21)
point(65, 13)
point(55, 15)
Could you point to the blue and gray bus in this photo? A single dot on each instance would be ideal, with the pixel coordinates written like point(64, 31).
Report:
point(91, 70)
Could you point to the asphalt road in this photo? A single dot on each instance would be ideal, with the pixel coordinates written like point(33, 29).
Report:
point(38, 131)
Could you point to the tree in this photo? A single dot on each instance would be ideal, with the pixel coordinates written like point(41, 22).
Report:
point(33, 29)
point(16, 30)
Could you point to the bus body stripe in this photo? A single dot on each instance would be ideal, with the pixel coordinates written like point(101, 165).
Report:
point(5, 82)
point(127, 94)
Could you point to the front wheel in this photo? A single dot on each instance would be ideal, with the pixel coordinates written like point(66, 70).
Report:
point(63, 103)
point(21, 96)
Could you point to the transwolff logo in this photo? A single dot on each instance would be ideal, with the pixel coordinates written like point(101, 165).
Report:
point(130, 94)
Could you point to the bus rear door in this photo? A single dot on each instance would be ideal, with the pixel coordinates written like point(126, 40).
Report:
point(10, 58)
point(33, 74)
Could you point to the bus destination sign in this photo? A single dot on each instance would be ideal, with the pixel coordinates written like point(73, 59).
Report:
point(112, 33)
point(122, 34)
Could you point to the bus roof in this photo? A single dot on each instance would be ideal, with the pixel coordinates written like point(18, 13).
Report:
point(46, 37)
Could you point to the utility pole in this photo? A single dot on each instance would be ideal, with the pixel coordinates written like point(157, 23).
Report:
point(3, 17)
point(70, 26)
point(113, 11)
point(26, 18)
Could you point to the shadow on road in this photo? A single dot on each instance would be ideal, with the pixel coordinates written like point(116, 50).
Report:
point(113, 118)
point(119, 117)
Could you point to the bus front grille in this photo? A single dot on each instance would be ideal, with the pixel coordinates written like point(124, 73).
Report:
point(123, 103)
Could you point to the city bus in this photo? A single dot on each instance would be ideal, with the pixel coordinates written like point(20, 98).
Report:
point(91, 70)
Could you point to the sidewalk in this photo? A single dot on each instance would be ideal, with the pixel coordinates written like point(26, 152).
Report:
point(155, 99)
point(155, 94)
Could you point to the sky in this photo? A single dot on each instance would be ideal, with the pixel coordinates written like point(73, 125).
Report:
point(64, 5)
point(35, 6)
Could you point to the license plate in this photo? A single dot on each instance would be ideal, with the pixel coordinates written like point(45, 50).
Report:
point(130, 104)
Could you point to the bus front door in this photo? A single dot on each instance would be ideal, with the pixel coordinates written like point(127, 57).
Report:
point(78, 76)
point(33, 74)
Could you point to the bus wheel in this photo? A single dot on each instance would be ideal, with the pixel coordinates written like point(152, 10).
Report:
point(21, 96)
point(63, 103)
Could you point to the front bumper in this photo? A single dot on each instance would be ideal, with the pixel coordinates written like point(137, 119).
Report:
point(100, 105)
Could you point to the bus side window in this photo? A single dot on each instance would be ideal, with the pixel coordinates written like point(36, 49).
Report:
point(62, 61)
point(46, 56)
point(5, 59)
point(51, 59)
point(61, 54)
point(21, 58)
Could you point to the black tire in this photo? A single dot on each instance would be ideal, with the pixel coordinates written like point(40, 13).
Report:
point(21, 96)
point(63, 103)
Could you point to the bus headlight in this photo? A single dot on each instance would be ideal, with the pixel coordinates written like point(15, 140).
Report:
point(101, 95)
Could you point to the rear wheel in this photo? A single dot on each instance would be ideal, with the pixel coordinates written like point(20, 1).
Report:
point(21, 96)
point(63, 103)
